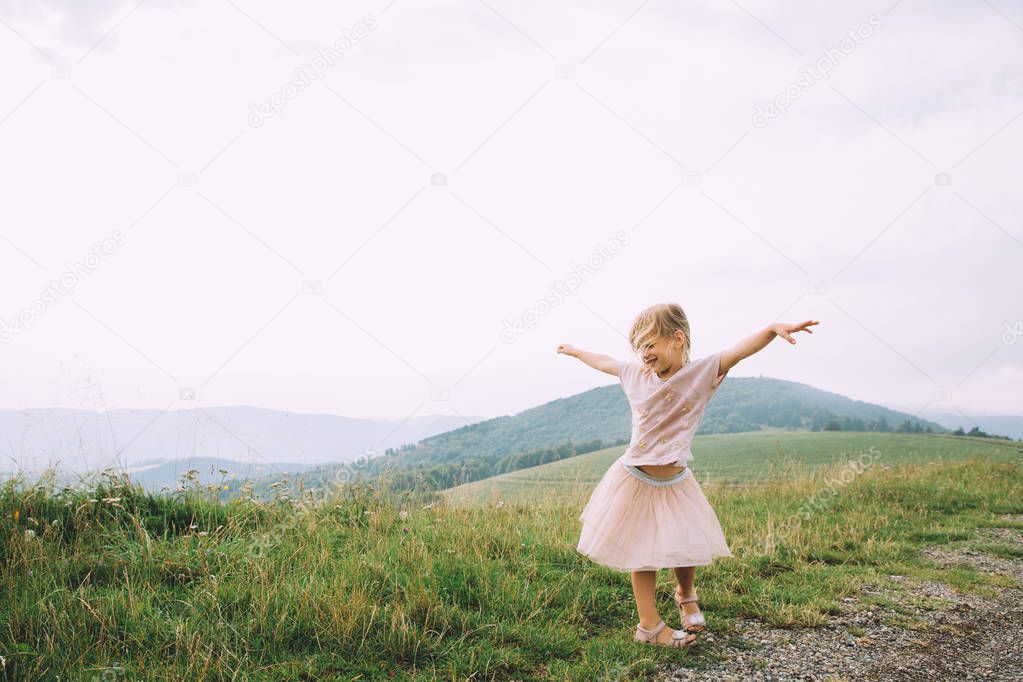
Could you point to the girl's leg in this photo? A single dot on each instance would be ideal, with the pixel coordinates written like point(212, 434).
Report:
point(686, 576)
point(643, 583)
point(643, 586)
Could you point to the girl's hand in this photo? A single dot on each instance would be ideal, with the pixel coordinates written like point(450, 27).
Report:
point(786, 330)
point(567, 349)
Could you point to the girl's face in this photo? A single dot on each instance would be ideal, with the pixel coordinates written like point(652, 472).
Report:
point(662, 354)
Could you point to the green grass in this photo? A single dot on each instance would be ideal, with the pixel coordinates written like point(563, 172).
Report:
point(739, 459)
point(117, 582)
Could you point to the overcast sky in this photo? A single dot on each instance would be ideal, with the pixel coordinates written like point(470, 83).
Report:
point(360, 247)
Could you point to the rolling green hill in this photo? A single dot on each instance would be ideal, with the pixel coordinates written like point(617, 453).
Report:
point(739, 459)
point(601, 417)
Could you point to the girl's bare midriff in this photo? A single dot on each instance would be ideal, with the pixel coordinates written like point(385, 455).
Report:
point(661, 470)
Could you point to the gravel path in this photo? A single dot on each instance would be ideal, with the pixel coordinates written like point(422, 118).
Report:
point(942, 634)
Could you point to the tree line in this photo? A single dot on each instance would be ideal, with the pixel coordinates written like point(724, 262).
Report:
point(442, 476)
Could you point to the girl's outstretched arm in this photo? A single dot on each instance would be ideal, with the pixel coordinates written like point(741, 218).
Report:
point(605, 363)
point(755, 342)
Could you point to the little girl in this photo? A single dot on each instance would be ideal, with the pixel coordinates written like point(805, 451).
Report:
point(648, 511)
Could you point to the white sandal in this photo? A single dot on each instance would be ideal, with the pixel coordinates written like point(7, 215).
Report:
point(679, 639)
point(693, 622)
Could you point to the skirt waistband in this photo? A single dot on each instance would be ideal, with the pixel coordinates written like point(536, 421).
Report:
point(653, 480)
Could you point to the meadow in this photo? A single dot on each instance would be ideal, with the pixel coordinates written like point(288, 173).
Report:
point(738, 459)
point(113, 583)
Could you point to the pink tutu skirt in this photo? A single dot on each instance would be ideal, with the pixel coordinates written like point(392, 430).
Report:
point(635, 522)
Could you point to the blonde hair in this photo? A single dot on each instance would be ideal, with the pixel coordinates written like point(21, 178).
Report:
point(660, 321)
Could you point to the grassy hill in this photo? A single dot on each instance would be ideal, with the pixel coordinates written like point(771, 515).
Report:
point(602, 416)
point(738, 459)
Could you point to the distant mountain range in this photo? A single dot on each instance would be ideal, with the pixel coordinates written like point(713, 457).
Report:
point(157, 448)
point(81, 440)
point(1000, 425)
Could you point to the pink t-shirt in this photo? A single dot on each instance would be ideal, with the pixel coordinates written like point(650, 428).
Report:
point(666, 413)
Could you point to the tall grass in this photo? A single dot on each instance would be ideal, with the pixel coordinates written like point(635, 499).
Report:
point(114, 583)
